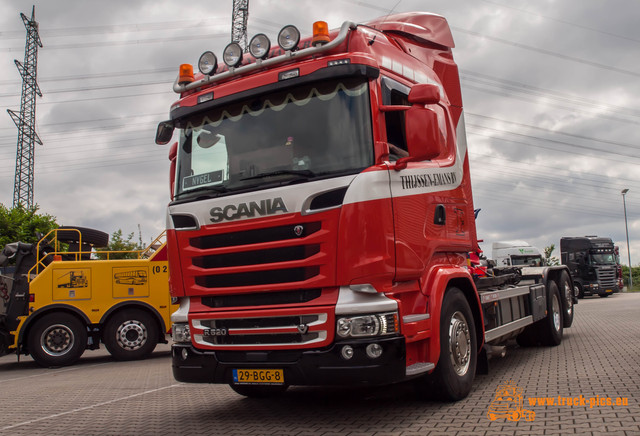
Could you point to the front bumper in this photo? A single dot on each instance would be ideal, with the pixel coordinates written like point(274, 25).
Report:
point(301, 367)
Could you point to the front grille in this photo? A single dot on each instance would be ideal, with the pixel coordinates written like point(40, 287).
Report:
point(255, 278)
point(300, 330)
point(258, 236)
point(256, 257)
point(278, 257)
point(606, 277)
point(262, 298)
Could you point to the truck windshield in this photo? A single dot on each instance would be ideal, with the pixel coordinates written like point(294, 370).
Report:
point(602, 259)
point(291, 136)
point(526, 260)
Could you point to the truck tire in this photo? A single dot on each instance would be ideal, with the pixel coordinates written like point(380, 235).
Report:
point(456, 368)
point(552, 326)
point(259, 391)
point(57, 339)
point(566, 292)
point(93, 237)
point(130, 334)
point(577, 290)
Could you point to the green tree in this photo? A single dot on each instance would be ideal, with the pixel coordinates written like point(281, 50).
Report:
point(548, 259)
point(635, 275)
point(117, 242)
point(22, 224)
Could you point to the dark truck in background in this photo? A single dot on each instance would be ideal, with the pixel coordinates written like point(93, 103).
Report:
point(593, 265)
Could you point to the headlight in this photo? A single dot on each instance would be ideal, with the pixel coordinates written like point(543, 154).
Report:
point(367, 325)
point(180, 333)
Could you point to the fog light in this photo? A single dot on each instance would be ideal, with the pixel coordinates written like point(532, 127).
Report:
point(347, 352)
point(374, 351)
point(184, 353)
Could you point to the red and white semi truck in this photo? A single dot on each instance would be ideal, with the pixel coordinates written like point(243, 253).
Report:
point(322, 216)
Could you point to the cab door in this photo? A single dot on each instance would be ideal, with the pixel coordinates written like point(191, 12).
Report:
point(431, 210)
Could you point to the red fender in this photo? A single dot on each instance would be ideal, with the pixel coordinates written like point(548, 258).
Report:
point(434, 286)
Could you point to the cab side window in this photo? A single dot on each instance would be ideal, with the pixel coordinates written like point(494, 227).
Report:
point(395, 93)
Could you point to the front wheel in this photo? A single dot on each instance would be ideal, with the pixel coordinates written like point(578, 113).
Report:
point(456, 368)
point(131, 334)
point(57, 339)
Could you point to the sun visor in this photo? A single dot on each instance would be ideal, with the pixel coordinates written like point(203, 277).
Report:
point(429, 27)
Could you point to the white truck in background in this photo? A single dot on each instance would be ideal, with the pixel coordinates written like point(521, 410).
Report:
point(516, 253)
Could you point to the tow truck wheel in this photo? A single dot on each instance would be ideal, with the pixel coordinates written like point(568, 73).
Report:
point(456, 368)
point(259, 391)
point(130, 334)
point(57, 339)
point(552, 325)
point(567, 299)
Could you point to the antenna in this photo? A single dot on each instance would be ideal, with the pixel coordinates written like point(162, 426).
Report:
point(25, 121)
point(239, 23)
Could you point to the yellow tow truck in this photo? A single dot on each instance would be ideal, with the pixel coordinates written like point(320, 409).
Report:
point(63, 297)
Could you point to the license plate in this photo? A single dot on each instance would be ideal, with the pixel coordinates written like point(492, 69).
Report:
point(258, 376)
point(609, 290)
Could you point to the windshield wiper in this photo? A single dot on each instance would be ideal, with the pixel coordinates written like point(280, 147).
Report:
point(302, 173)
point(216, 188)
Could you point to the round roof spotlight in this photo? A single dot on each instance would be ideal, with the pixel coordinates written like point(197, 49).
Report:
point(288, 38)
point(208, 63)
point(259, 46)
point(232, 55)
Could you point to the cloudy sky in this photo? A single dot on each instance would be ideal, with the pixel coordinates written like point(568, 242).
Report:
point(551, 92)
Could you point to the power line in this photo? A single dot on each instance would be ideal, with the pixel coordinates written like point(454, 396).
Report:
point(562, 21)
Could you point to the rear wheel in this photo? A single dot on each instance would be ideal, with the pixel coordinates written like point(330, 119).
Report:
point(577, 290)
point(131, 334)
point(456, 368)
point(552, 325)
point(57, 339)
point(566, 292)
point(259, 391)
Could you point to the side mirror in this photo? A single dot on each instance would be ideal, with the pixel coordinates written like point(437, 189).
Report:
point(164, 133)
point(173, 154)
point(425, 140)
point(424, 93)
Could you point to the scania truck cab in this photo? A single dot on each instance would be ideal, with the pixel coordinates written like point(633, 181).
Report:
point(322, 218)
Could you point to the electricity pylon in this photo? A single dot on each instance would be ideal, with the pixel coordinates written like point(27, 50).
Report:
point(25, 121)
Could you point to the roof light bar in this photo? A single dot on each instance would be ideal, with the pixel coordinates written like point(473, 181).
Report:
point(232, 57)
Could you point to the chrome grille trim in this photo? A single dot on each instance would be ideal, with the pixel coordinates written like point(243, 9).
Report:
point(317, 330)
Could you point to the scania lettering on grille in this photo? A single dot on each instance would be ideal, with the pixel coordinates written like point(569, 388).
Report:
point(231, 212)
point(215, 332)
